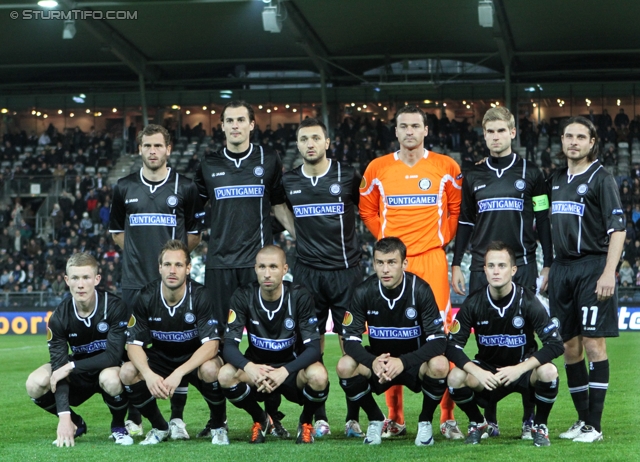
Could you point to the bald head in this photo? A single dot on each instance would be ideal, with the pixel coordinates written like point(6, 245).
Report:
point(271, 266)
point(272, 250)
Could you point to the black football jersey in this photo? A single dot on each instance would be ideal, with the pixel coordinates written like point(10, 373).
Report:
point(499, 204)
point(174, 332)
point(241, 193)
point(150, 216)
point(504, 335)
point(404, 322)
point(273, 334)
point(324, 210)
point(96, 342)
point(585, 209)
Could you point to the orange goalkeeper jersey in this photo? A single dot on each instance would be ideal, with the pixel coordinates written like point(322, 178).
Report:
point(418, 204)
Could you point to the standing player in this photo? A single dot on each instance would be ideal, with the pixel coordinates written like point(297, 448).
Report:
point(176, 316)
point(414, 194)
point(278, 317)
point(243, 184)
point(504, 316)
point(324, 196)
point(406, 341)
point(149, 208)
point(588, 237)
point(92, 324)
point(500, 200)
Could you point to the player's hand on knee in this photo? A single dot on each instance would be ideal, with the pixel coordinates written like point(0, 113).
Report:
point(457, 280)
point(487, 379)
point(156, 386)
point(393, 367)
point(275, 378)
point(59, 374)
point(257, 373)
point(508, 375)
point(66, 431)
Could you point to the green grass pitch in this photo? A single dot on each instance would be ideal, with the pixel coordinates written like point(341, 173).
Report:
point(27, 431)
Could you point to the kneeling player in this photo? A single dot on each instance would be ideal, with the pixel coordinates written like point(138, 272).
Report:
point(504, 316)
point(406, 341)
point(92, 324)
point(175, 315)
point(278, 316)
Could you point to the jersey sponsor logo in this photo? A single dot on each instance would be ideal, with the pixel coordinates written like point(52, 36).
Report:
point(556, 322)
point(218, 174)
point(479, 187)
point(96, 345)
point(460, 176)
point(102, 327)
point(520, 184)
point(172, 200)
point(411, 313)
point(271, 344)
point(255, 323)
point(295, 191)
point(509, 341)
point(410, 177)
point(189, 318)
point(318, 210)
point(617, 212)
point(130, 201)
point(500, 203)
point(370, 312)
point(347, 319)
point(122, 324)
point(49, 334)
point(582, 189)
point(73, 334)
point(438, 321)
point(455, 327)
point(232, 192)
point(177, 337)
point(312, 321)
point(567, 208)
point(258, 171)
point(211, 322)
point(410, 200)
point(289, 324)
point(152, 219)
point(384, 333)
point(424, 184)
point(549, 328)
point(335, 189)
point(132, 321)
point(232, 317)
point(199, 215)
point(555, 187)
point(517, 321)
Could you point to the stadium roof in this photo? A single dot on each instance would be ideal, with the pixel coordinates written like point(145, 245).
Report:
point(209, 45)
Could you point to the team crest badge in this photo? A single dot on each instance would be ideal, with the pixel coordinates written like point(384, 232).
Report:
point(258, 171)
point(582, 189)
point(348, 319)
point(102, 327)
point(49, 334)
point(518, 322)
point(172, 200)
point(289, 324)
point(232, 317)
point(424, 184)
point(132, 321)
point(520, 185)
point(335, 189)
point(189, 318)
point(363, 183)
point(411, 313)
point(455, 327)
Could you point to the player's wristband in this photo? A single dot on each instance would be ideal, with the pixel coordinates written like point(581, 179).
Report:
point(540, 203)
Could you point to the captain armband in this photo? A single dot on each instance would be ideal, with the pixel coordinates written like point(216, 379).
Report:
point(540, 203)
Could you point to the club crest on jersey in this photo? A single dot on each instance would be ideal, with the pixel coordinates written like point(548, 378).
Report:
point(424, 184)
point(455, 327)
point(520, 184)
point(582, 189)
point(172, 200)
point(289, 324)
point(411, 313)
point(232, 317)
point(49, 334)
point(518, 322)
point(102, 327)
point(335, 189)
point(555, 322)
point(348, 319)
point(132, 321)
point(189, 318)
point(258, 171)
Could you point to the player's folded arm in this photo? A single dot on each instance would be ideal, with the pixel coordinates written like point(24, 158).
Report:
point(310, 355)
point(58, 346)
point(353, 347)
point(435, 345)
point(62, 397)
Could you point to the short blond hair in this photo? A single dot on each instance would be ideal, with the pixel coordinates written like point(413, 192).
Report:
point(82, 259)
point(499, 113)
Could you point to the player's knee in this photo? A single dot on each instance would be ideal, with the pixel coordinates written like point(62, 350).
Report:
point(38, 384)
point(109, 381)
point(438, 367)
point(596, 348)
point(317, 376)
point(573, 350)
point(128, 373)
point(346, 367)
point(209, 370)
point(227, 376)
point(456, 378)
point(547, 373)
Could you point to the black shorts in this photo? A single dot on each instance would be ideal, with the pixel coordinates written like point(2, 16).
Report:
point(222, 283)
point(525, 276)
point(573, 303)
point(82, 387)
point(486, 397)
point(331, 289)
point(410, 378)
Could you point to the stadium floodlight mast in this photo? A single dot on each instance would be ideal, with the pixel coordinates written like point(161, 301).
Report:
point(485, 13)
